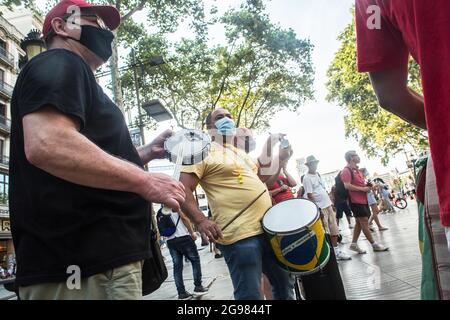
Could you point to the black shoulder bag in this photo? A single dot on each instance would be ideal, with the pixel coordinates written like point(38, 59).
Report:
point(154, 271)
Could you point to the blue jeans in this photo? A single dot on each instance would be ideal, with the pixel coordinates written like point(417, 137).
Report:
point(184, 246)
point(247, 260)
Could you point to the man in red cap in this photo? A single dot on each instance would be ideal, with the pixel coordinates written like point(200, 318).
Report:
point(387, 33)
point(79, 199)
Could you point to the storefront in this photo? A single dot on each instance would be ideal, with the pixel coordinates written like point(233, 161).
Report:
point(7, 257)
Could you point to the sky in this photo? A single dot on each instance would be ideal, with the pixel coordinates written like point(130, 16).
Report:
point(318, 128)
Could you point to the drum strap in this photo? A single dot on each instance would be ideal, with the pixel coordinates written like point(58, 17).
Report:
point(243, 210)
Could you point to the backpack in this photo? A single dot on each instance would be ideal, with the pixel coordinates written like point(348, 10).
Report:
point(341, 193)
point(165, 224)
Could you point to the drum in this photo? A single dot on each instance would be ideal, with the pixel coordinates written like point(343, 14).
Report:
point(195, 145)
point(297, 236)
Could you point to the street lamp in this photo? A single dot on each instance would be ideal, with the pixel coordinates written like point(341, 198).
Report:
point(156, 110)
point(32, 44)
point(154, 61)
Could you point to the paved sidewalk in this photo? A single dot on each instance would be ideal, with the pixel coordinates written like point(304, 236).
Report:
point(391, 275)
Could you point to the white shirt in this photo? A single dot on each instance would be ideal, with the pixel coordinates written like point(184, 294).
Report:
point(314, 184)
point(181, 228)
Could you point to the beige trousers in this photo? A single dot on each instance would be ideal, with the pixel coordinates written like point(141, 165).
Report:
point(122, 283)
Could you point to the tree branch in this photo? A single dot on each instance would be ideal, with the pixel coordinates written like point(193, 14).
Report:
point(266, 97)
point(225, 78)
point(139, 7)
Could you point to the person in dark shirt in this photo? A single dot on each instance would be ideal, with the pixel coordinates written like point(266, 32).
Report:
point(79, 197)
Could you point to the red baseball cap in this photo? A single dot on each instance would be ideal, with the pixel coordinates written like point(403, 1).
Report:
point(109, 14)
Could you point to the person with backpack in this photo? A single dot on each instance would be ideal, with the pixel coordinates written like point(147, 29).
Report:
point(181, 238)
point(357, 190)
point(316, 192)
point(341, 204)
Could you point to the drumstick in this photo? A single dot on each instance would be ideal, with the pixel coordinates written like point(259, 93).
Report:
point(243, 210)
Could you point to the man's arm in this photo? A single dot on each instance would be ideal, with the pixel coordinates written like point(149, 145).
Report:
point(352, 187)
point(391, 88)
point(52, 143)
point(191, 209)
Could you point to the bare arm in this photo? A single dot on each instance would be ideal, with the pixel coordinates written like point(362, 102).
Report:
point(53, 144)
point(352, 187)
point(274, 192)
point(291, 181)
point(191, 209)
point(393, 94)
point(270, 180)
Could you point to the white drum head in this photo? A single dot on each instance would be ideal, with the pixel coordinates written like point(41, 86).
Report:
point(195, 144)
point(290, 216)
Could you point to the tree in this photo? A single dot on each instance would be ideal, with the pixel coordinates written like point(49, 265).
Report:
point(163, 15)
point(259, 70)
point(380, 133)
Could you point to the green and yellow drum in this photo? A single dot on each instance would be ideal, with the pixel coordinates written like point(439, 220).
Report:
point(297, 236)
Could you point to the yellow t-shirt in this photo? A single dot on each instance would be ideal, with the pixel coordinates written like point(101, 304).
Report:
point(219, 177)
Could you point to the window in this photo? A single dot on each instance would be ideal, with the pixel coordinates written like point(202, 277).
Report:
point(2, 75)
point(4, 187)
point(2, 45)
point(2, 109)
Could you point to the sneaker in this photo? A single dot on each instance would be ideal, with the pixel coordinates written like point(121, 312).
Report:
point(342, 256)
point(185, 296)
point(218, 256)
point(383, 229)
point(371, 228)
point(379, 247)
point(200, 291)
point(356, 248)
point(351, 226)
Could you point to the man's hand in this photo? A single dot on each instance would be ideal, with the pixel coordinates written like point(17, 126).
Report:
point(161, 188)
point(210, 229)
point(284, 188)
point(156, 147)
point(366, 189)
point(194, 236)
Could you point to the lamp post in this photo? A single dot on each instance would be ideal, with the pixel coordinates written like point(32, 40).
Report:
point(155, 61)
point(32, 44)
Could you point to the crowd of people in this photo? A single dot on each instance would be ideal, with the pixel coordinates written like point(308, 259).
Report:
point(80, 197)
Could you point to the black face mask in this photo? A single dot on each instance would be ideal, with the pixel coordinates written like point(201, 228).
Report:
point(97, 40)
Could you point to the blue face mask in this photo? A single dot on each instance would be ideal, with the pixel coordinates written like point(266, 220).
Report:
point(226, 127)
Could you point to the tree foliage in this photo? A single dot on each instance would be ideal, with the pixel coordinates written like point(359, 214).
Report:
point(257, 71)
point(380, 133)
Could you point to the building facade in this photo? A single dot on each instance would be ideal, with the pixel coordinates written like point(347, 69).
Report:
point(11, 53)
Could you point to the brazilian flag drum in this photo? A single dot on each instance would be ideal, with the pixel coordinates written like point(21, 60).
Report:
point(297, 236)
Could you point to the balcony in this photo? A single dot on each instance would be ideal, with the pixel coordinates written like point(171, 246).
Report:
point(4, 162)
point(5, 125)
point(6, 90)
point(7, 57)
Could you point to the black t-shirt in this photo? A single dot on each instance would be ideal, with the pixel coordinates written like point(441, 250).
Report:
point(56, 223)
